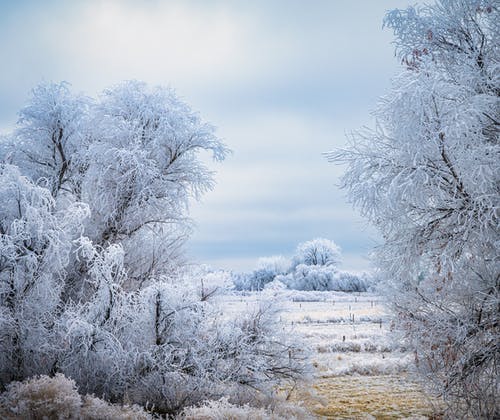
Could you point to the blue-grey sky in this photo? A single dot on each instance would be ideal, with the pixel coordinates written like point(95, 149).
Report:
point(283, 80)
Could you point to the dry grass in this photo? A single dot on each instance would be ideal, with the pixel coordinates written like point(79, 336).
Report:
point(359, 372)
point(380, 397)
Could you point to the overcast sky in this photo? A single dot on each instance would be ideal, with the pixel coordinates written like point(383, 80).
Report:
point(283, 81)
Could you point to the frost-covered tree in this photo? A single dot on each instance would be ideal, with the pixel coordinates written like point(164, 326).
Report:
point(313, 267)
point(321, 278)
point(267, 270)
point(318, 251)
point(93, 211)
point(428, 176)
point(142, 168)
point(131, 156)
point(165, 345)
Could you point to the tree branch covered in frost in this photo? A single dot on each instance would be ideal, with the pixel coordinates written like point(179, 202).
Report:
point(35, 246)
point(94, 212)
point(50, 136)
point(428, 177)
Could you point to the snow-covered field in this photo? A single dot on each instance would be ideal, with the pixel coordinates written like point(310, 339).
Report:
point(358, 371)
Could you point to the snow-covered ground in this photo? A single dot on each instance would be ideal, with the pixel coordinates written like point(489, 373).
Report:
point(359, 371)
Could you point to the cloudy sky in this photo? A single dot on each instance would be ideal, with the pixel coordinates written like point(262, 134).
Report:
point(283, 80)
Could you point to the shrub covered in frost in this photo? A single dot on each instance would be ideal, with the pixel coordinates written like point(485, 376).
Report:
point(322, 278)
point(352, 282)
point(57, 398)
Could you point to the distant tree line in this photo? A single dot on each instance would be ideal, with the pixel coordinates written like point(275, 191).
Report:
point(314, 266)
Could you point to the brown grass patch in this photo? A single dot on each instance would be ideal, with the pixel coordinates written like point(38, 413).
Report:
point(380, 397)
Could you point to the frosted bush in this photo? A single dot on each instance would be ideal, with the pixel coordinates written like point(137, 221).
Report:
point(222, 410)
point(43, 396)
point(97, 409)
point(350, 282)
point(57, 398)
point(185, 352)
point(242, 282)
point(275, 285)
point(307, 277)
point(324, 278)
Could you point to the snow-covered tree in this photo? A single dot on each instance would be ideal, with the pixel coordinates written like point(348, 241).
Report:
point(313, 267)
point(318, 251)
point(267, 270)
point(143, 167)
point(93, 211)
point(321, 278)
point(132, 156)
point(428, 176)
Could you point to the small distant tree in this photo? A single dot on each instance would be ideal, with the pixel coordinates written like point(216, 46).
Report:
point(428, 176)
point(317, 252)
